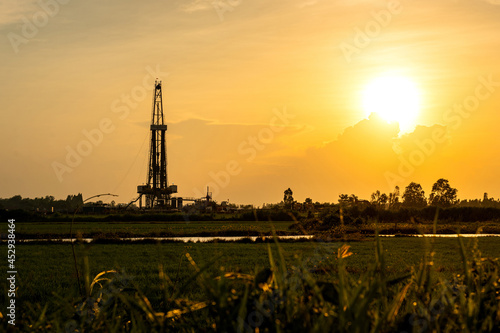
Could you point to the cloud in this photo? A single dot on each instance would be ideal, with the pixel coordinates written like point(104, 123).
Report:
point(196, 6)
point(492, 2)
point(307, 3)
point(12, 11)
point(357, 162)
point(208, 146)
point(366, 135)
point(212, 144)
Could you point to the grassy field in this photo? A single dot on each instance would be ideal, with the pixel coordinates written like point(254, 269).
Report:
point(427, 228)
point(310, 286)
point(230, 228)
point(309, 280)
point(137, 229)
point(48, 268)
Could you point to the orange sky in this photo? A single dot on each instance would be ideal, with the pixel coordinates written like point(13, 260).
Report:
point(259, 96)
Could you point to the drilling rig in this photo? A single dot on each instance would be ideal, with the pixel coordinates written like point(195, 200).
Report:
point(156, 191)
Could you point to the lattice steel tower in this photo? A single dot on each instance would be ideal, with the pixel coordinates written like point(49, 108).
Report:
point(156, 191)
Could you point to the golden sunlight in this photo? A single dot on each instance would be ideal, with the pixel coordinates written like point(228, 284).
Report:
point(394, 98)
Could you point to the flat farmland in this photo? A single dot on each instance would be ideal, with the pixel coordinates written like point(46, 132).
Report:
point(44, 269)
point(154, 228)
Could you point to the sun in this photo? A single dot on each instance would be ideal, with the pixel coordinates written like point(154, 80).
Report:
point(394, 98)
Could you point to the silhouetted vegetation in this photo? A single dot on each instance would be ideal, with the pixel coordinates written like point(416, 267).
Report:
point(411, 207)
point(134, 216)
point(443, 195)
point(322, 292)
point(47, 204)
point(359, 217)
point(414, 196)
point(288, 198)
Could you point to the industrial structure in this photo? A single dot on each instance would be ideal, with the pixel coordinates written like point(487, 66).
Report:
point(156, 191)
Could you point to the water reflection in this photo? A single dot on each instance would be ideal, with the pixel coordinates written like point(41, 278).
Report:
point(239, 238)
point(183, 239)
point(444, 235)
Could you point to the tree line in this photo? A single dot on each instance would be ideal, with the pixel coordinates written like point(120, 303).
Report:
point(45, 204)
point(442, 195)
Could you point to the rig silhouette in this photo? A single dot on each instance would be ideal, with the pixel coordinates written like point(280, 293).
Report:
point(156, 191)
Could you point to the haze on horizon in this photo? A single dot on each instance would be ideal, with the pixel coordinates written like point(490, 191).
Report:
point(258, 96)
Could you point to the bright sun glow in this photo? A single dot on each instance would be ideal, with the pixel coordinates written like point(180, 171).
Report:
point(394, 98)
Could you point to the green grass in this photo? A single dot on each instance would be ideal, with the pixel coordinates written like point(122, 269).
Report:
point(137, 229)
point(413, 228)
point(400, 284)
point(409, 284)
point(228, 228)
point(38, 264)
